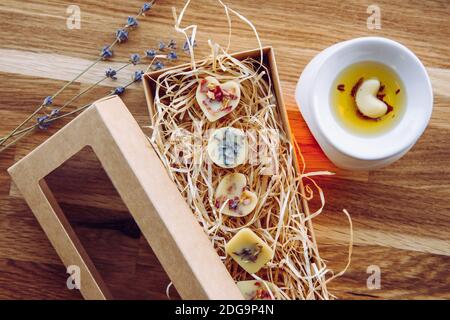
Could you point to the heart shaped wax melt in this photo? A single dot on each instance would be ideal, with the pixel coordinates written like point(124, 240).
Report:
point(232, 189)
point(216, 99)
point(258, 290)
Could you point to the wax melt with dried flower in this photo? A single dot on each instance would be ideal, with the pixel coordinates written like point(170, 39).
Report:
point(239, 175)
point(233, 198)
point(249, 251)
point(258, 290)
point(227, 147)
point(216, 99)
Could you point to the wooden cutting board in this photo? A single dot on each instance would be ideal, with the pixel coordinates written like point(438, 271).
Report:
point(401, 214)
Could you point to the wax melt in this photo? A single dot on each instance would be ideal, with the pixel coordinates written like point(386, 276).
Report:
point(216, 99)
point(367, 101)
point(231, 190)
point(228, 147)
point(257, 290)
point(249, 251)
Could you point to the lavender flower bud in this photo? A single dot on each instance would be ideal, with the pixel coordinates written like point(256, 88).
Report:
point(135, 58)
point(147, 6)
point(172, 55)
point(132, 22)
point(150, 53)
point(122, 35)
point(158, 65)
point(111, 73)
point(42, 124)
point(138, 76)
point(48, 101)
point(106, 53)
point(118, 91)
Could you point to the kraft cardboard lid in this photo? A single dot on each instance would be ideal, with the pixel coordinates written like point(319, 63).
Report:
point(145, 187)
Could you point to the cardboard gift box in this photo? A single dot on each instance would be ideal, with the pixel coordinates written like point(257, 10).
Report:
point(141, 180)
point(149, 81)
point(153, 199)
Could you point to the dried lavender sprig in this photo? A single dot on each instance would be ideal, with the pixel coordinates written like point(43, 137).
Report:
point(131, 23)
point(86, 105)
point(136, 78)
point(54, 112)
point(156, 64)
point(18, 132)
point(92, 86)
point(50, 120)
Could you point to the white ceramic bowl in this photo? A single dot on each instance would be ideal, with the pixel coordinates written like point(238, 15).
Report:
point(357, 152)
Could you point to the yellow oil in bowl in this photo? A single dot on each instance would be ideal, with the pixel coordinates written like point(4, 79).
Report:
point(343, 102)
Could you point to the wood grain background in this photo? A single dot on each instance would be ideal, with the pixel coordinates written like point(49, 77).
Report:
point(401, 214)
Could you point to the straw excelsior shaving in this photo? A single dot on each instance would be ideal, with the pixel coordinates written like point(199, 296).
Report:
point(179, 128)
point(281, 217)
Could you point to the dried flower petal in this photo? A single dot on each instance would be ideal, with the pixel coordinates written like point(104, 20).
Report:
point(249, 254)
point(233, 204)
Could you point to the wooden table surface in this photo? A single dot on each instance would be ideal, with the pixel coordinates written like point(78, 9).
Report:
point(401, 214)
